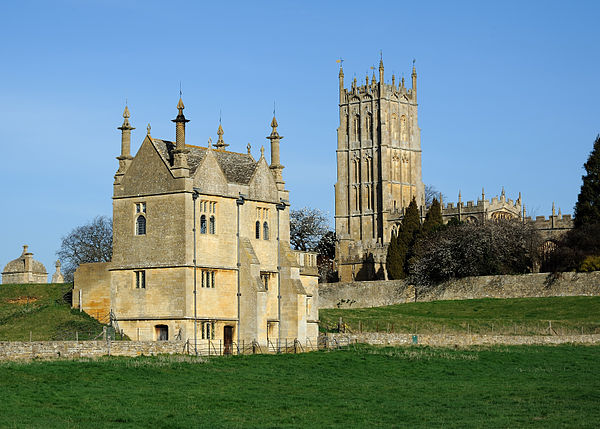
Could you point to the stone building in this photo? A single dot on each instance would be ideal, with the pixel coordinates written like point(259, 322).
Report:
point(24, 269)
point(201, 246)
point(379, 173)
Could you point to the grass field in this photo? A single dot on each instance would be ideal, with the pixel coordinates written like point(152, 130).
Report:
point(44, 312)
point(363, 386)
point(523, 316)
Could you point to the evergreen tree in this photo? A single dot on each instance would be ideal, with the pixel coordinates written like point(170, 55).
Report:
point(400, 248)
point(587, 208)
point(394, 261)
point(433, 218)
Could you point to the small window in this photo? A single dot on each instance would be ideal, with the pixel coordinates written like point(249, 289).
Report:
point(140, 208)
point(265, 280)
point(257, 230)
point(265, 231)
point(140, 279)
point(140, 225)
point(208, 279)
point(212, 225)
point(203, 224)
point(208, 330)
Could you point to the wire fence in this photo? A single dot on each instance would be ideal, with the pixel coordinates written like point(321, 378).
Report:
point(458, 327)
point(284, 346)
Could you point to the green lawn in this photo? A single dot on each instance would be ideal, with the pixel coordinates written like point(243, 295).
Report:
point(44, 312)
point(363, 386)
point(524, 316)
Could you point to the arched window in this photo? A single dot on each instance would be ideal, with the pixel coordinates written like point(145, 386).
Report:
point(356, 128)
point(394, 126)
point(211, 227)
point(203, 224)
point(265, 231)
point(257, 230)
point(403, 129)
point(369, 126)
point(140, 225)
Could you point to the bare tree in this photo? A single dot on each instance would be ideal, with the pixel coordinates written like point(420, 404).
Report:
point(431, 192)
point(91, 242)
point(307, 227)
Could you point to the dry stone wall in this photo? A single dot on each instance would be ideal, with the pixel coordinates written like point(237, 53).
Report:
point(380, 293)
point(19, 350)
point(442, 340)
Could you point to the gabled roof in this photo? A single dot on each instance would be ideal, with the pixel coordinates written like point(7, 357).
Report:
point(237, 167)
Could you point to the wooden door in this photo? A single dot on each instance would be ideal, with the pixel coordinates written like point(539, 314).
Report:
point(228, 340)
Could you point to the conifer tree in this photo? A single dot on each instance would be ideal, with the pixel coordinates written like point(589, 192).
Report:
point(394, 261)
point(433, 218)
point(587, 208)
point(409, 230)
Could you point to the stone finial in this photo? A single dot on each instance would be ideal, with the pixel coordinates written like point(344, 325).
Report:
point(393, 80)
point(25, 249)
point(373, 79)
point(276, 166)
point(503, 194)
point(367, 79)
point(220, 142)
point(148, 130)
point(57, 277)
point(414, 80)
point(262, 151)
point(210, 142)
point(459, 197)
point(519, 199)
point(482, 194)
point(402, 82)
point(553, 209)
point(248, 148)
point(380, 68)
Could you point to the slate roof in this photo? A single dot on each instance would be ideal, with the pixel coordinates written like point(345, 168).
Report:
point(237, 167)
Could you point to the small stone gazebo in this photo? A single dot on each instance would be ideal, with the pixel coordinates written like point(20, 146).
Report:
point(24, 269)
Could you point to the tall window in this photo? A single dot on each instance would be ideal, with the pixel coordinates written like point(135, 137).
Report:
point(140, 279)
point(140, 225)
point(403, 129)
point(265, 280)
point(208, 330)
point(356, 128)
point(369, 126)
point(203, 224)
point(208, 279)
point(208, 219)
point(265, 231)
point(257, 230)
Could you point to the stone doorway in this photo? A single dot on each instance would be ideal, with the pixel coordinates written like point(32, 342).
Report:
point(162, 332)
point(228, 340)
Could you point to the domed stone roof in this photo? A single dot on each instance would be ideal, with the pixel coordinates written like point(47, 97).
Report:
point(24, 269)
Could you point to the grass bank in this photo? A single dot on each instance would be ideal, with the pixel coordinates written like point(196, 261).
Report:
point(42, 312)
point(522, 316)
point(359, 387)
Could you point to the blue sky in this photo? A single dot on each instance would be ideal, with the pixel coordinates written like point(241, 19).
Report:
point(508, 94)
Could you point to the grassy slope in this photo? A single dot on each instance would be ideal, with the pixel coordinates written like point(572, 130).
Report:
point(530, 315)
point(42, 310)
point(360, 387)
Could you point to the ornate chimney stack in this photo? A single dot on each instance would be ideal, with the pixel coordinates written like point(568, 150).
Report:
point(180, 165)
point(125, 157)
point(276, 166)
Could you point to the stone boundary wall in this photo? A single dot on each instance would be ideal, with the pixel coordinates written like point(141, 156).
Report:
point(442, 340)
point(389, 292)
point(18, 350)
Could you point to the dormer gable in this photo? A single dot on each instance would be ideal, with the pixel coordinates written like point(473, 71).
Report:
point(209, 176)
point(262, 185)
point(148, 172)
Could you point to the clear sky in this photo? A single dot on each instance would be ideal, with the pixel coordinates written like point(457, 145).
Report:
point(508, 94)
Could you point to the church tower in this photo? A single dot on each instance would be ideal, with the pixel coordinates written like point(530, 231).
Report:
point(378, 170)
